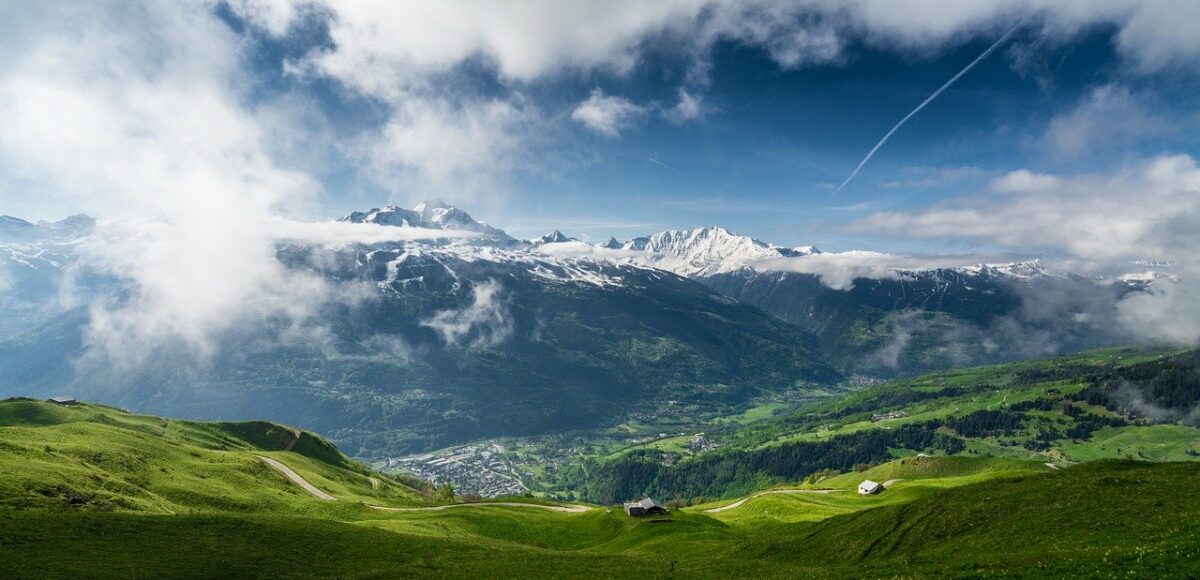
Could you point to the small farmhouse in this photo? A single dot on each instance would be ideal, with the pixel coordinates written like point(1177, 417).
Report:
point(646, 507)
point(62, 400)
point(868, 487)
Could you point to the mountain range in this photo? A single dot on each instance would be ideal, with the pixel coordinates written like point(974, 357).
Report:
point(486, 335)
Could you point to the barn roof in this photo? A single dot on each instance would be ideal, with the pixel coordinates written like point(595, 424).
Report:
point(646, 503)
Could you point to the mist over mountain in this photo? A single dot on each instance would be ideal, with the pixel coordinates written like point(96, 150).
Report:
point(423, 343)
point(436, 342)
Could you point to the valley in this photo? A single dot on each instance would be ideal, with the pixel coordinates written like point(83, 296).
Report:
point(160, 497)
point(580, 289)
point(1035, 411)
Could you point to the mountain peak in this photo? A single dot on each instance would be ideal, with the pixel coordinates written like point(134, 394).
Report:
point(708, 251)
point(554, 237)
point(431, 204)
point(433, 214)
point(15, 229)
point(611, 244)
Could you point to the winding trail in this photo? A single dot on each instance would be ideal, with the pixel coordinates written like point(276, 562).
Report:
point(739, 502)
point(574, 509)
point(319, 494)
point(295, 477)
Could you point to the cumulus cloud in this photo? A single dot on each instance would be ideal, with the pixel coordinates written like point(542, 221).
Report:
point(1145, 210)
point(689, 108)
point(414, 57)
point(486, 322)
point(144, 120)
point(141, 116)
point(459, 150)
point(1120, 216)
point(1109, 116)
point(838, 270)
point(379, 45)
point(607, 114)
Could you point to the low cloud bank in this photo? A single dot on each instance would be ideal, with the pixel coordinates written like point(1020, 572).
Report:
point(1146, 210)
point(486, 322)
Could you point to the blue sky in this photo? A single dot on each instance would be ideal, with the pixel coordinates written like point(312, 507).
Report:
point(479, 104)
point(771, 140)
point(200, 131)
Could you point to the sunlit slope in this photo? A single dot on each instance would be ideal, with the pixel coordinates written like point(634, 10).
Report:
point(101, 458)
point(91, 491)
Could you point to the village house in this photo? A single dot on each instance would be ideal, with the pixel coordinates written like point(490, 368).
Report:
point(68, 401)
point(868, 487)
point(646, 507)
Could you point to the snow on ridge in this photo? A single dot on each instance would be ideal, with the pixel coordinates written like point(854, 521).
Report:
point(433, 214)
point(706, 251)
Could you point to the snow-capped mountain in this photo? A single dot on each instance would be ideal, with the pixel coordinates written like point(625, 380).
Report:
point(14, 229)
point(434, 214)
point(554, 237)
point(425, 344)
point(1025, 270)
point(485, 335)
point(706, 251)
point(611, 244)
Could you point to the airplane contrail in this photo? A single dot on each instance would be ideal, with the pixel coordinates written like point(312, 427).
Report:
point(653, 160)
point(930, 99)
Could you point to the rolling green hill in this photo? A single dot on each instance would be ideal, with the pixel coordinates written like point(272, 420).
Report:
point(94, 491)
point(103, 458)
point(1112, 403)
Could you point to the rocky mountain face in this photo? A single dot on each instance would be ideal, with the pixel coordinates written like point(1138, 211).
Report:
point(489, 335)
point(453, 341)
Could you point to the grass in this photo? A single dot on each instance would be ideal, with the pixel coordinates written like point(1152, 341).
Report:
point(92, 491)
point(104, 458)
point(1118, 518)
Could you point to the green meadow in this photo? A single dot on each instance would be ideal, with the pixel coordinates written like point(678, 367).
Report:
point(93, 491)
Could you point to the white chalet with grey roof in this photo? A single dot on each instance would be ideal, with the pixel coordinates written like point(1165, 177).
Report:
point(868, 487)
point(646, 507)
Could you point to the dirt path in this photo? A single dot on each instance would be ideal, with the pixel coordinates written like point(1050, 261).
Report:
point(889, 482)
point(295, 477)
point(574, 509)
point(739, 502)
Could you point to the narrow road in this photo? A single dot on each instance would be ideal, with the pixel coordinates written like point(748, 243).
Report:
point(889, 483)
point(574, 509)
point(739, 502)
point(295, 477)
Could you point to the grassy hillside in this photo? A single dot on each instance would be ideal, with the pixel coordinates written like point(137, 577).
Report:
point(102, 458)
point(1113, 403)
point(945, 517)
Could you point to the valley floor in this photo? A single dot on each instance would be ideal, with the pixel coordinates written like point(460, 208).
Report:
point(1002, 472)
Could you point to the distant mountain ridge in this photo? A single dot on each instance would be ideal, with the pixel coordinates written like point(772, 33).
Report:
point(453, 341)
point(490, 335)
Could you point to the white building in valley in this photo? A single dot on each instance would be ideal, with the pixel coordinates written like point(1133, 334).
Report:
point(868, 487)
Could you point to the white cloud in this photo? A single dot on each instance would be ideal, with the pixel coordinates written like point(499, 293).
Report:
point(134, 111)
point(838, 270)
point(412, 56)
point(382, 46)
point(689, 108)
point(137, 112)
point(607, 115)
point(1122, 216)
point(486, 321)
point(1146, 210)
point(458, 151)
point(1110, 116)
